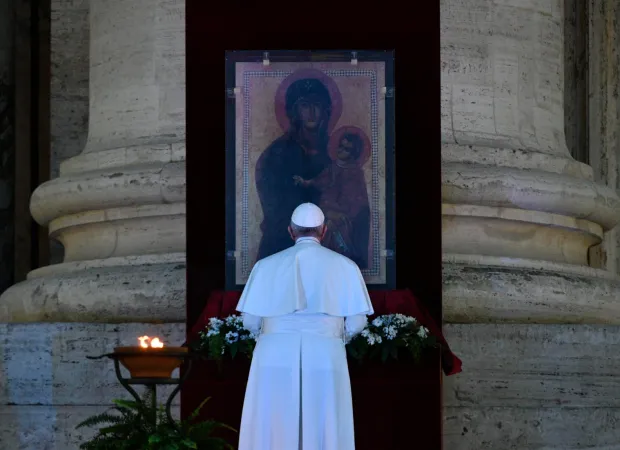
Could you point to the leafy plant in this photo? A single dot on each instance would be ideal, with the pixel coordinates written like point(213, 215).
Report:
point(139, 426)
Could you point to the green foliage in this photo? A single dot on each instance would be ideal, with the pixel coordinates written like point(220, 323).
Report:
point(138, 426)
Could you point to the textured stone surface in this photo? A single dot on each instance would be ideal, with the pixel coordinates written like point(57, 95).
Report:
point(490, 50)
point(47, 427)
point(604, 108)
point(47, 386)
point(69, 80)
point(506, 428)
point(496, 289)
point(112, 294)
point(533, 387)
point(137, 73)
point(118, 208)
point(535, 366)
point(69, 74)
point(44, 427)
point(511, 191)
point(522, 215)
point(523, 227)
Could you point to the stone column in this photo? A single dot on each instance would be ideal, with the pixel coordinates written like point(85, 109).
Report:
point(604, 107)
point(118, 208)
point(520, 217)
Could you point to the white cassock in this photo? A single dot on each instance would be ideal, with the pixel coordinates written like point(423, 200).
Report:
point(305, 301)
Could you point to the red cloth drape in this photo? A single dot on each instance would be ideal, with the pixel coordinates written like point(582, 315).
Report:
point(222, 304)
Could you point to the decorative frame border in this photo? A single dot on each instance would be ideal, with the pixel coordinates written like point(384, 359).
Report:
point(241, 256)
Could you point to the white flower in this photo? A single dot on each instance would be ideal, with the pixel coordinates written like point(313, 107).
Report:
point(212, 332)
point(423, 332)
point(231, 337)
point(373, 339)
point(230, 320)
point(401, 319)
point(390, 332)
point(246, 335)
point(215, 323)
point(378, 322)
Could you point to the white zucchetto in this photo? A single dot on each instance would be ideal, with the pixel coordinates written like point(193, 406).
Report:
point(308, 215)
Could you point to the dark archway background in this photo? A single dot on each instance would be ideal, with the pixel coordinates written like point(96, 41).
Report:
point(411, 30)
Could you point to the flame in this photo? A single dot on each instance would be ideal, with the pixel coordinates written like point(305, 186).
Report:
point(154, 342)
point(144, 341)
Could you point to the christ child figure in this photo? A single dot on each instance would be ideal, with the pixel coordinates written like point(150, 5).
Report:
point(344, 197)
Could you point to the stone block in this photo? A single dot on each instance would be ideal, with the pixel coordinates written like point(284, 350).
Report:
point(505, 428)
point(45, 364)
point(551, 387)
point(46, 427)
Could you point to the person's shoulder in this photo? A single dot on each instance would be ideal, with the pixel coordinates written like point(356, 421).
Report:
point(276, 257)
point(336, 257)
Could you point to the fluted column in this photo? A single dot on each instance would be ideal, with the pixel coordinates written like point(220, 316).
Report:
point(520, 215)
point(119, 207)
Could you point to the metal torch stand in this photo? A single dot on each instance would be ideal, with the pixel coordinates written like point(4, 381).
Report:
point(151, 383)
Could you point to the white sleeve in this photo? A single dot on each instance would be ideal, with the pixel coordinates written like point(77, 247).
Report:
point(251, 322)
point(354, 325)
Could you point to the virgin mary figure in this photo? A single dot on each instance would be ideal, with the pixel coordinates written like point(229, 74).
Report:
point(309, 109)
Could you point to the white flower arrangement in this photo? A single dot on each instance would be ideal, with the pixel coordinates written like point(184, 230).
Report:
point(228, 335)
point(384, 337)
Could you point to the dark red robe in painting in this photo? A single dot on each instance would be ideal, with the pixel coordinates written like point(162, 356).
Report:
point(344, 200)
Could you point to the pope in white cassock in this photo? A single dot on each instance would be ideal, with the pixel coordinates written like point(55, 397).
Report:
point(304, 302)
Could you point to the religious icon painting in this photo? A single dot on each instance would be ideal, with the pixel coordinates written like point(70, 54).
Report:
point(310, 127)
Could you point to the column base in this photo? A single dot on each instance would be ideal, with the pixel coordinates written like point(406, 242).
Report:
point(148, 289)
point(483, 289)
